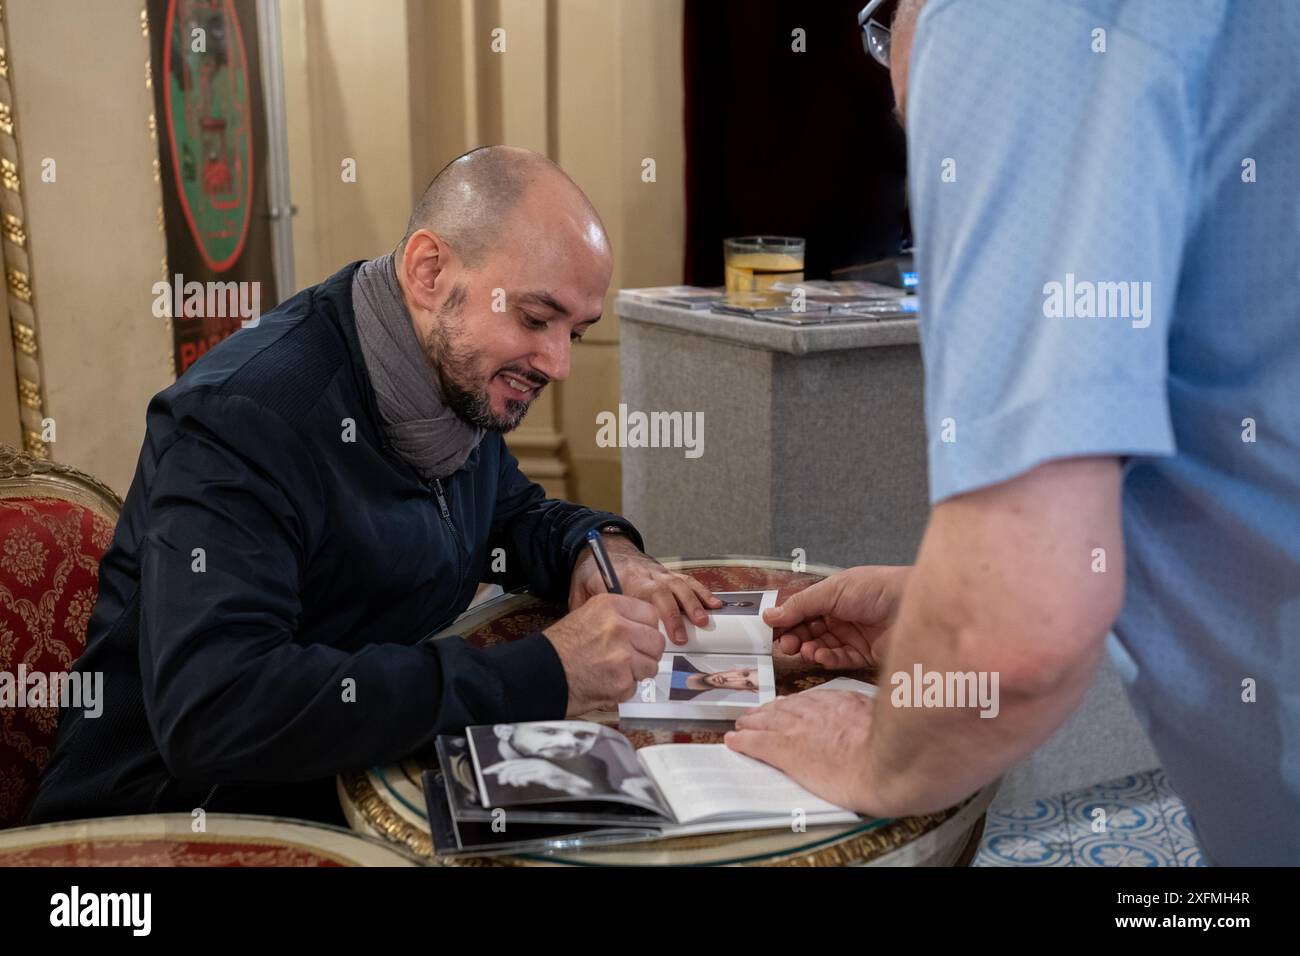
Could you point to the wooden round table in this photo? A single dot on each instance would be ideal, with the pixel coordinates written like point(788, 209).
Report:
point(388, 802)
point(169, 839)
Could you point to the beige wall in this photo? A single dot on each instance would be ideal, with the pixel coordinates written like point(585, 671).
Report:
point(619, 101)
point(95, 248)
point(347, 96)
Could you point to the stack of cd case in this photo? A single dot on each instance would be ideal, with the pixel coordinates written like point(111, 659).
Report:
point(815, 302)
point(814, 308)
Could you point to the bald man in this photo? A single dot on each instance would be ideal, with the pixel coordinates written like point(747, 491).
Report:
point(323, 490)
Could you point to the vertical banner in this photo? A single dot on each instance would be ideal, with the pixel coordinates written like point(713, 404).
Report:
point(211, 150)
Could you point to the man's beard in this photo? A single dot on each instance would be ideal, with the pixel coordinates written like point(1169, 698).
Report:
point(559, 753)
point(457, 368)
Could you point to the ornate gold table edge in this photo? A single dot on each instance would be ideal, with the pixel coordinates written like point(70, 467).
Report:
point(366, 812)
point(902, 841)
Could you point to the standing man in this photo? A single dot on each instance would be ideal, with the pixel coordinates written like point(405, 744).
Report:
point(1108, 227)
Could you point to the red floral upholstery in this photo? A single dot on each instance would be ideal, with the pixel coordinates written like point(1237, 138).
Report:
point(49, 580)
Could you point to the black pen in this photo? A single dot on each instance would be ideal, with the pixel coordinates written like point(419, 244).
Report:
point(603, 563)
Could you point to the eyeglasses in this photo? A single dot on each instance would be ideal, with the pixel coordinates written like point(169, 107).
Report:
point(875, 35)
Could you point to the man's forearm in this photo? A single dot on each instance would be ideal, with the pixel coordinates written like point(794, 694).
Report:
point(1006, 583)
point(924, 759)
point(291, 712)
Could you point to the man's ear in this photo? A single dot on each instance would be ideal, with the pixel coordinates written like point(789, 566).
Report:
point(425, 258)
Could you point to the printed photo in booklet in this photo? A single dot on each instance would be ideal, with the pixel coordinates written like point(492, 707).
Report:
point(723, 669)
point(543, 785)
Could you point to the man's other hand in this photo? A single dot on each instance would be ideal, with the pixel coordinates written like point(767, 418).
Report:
point(606, 646)
point(843, 621)
point(820, 739)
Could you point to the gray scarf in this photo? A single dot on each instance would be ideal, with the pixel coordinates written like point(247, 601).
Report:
point(422, 429)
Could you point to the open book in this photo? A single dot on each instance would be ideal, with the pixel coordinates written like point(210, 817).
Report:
point(510, 788)
point(723, 669)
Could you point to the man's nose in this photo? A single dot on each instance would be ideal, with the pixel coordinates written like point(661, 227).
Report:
point(553, 360)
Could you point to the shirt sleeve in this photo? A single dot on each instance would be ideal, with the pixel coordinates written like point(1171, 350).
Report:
point(231, 692)
point(1051, 197)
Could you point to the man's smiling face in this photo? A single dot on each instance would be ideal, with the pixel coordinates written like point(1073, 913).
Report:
point(506, 329)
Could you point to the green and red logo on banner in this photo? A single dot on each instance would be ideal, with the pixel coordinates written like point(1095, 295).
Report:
point(209, 125)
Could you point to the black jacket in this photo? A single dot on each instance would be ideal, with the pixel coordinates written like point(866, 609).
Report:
point(273, 571)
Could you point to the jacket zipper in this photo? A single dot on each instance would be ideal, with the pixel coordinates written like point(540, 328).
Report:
point(446, 516)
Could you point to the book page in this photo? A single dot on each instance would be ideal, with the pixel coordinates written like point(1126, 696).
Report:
point(735, 628)
point(707, 780)
point(844, 683)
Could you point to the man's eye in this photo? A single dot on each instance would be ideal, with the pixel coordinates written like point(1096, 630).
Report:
point(532, 323)
point(575, 336)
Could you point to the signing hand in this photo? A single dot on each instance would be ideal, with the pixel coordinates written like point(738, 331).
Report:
point(672, 594)
point(606, 647)
point(819, 739)
point(843, 621)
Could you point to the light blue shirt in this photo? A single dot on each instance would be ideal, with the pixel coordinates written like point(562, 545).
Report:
point(1039, 168)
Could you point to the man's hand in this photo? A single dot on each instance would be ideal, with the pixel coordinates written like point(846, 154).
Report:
point(523, 771)
point(843, 621)
point(640, 576)
point(819, 739)
point(606, 647)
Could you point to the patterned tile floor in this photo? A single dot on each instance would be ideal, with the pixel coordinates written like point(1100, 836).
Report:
point(1135, 821)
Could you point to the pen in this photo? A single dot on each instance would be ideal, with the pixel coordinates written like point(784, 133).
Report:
point(602, 562)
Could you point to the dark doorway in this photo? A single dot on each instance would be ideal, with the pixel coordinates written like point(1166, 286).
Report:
point(781, 142)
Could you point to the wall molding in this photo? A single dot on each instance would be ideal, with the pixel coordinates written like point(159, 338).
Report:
point(20, 285)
